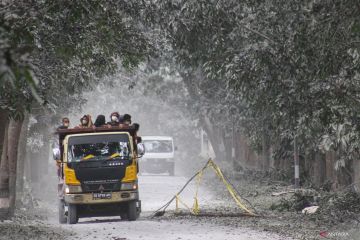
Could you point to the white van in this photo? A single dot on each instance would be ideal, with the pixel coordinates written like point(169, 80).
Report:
point(159, 155)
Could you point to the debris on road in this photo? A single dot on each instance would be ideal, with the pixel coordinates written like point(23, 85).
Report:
point(310, 210)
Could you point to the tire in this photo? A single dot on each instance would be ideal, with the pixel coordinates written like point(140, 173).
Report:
point(132, 211)
point(62, 217)
point(72, 217)
point(123, 216)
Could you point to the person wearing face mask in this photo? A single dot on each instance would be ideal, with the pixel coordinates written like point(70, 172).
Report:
point(65, 123)
point(114, 119)
point(85, 122)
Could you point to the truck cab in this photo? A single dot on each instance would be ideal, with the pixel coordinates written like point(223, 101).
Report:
point(98, 173)
point(159, 156)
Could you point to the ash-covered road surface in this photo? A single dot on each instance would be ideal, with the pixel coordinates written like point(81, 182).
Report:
point(155, 191)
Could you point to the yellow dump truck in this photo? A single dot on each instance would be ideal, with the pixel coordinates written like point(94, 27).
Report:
point(98, 173)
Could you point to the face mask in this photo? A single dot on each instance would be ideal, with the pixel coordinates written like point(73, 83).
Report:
point(127, 122)
point(84, 122)
point(66, 124)
point(114, 119)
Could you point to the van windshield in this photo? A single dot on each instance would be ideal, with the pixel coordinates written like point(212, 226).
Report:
point(98, 147)
point(158, 146)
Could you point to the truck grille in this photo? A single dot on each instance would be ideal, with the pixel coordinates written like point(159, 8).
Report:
point(101, 187)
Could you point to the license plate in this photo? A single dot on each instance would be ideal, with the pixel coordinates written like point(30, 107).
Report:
point(106, 195)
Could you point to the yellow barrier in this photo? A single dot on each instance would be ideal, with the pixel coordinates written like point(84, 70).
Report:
point(195, 209)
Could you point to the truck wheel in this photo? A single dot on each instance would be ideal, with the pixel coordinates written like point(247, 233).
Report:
point(132, 211)
point(123, 216)
point(62, 217)
point(72, 217)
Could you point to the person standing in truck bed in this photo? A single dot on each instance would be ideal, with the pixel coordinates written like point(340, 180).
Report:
point(125, 120)
point(114, 119)
point(100, 121)
point(85, 122)
point(65, 123)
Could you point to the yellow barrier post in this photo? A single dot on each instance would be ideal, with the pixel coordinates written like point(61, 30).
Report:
point(196, 209)
point(177, 204)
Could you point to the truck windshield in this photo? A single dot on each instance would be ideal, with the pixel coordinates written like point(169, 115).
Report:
point(158, 146)
point(98, 147)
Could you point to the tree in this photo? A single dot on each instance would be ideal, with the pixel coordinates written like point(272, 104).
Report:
point(288, 68)
point(52, 51)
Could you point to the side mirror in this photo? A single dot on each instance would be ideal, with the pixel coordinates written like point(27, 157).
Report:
point(140, 149)
point(56, 153)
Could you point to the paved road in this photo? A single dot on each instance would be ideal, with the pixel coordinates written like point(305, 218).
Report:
point(154, 192)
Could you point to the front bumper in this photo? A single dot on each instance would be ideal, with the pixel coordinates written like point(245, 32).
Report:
point(87, 198)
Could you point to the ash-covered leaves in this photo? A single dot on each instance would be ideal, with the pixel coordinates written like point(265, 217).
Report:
point(54, 49)
point(272, 69)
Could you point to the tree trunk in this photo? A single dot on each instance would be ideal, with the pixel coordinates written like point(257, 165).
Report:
point(215, 140)
point(3, 156)
point(343, 173)
point(3, 124)
point(13, 143)
point(227, 144)
point(330, 171)
point(4, 164)
point(296, 164)
point(265, 151)
point(4, 178)
point(22, 156)
point(238, 161)
point(356, 173)
point(319, 169)
point(235, 150)
point(247, 156)
point(277, 160)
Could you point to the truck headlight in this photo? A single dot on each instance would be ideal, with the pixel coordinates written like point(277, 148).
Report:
point(129, 186)
point(73, 189)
